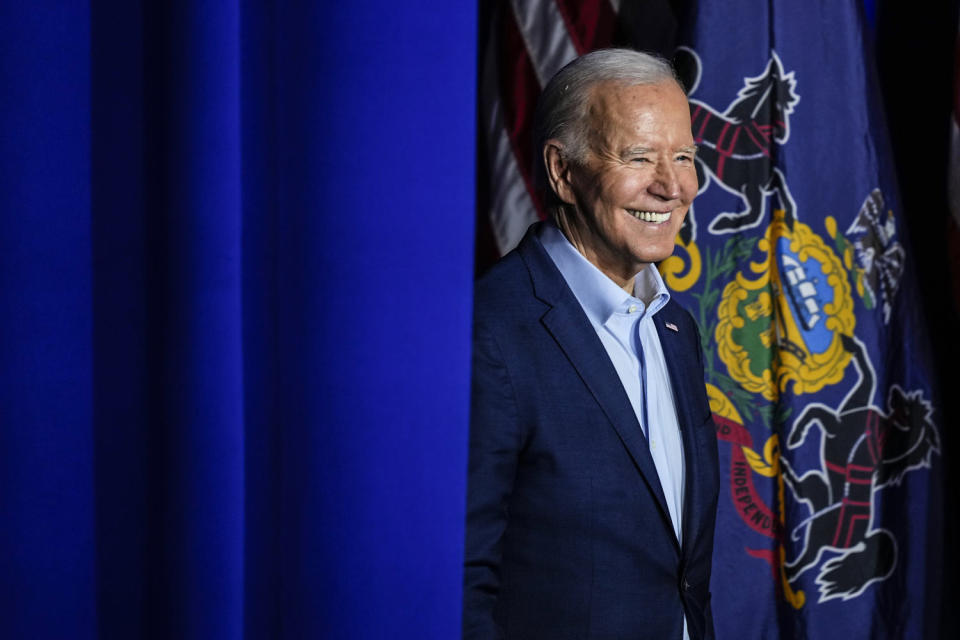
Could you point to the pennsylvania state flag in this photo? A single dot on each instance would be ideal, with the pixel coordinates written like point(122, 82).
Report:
point(794, 262)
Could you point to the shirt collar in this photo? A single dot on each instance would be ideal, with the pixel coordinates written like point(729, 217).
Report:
point(600, 296)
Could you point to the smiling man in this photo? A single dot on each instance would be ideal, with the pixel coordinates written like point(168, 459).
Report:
point(593, 481)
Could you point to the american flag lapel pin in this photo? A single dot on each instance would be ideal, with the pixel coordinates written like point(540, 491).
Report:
point(671, 326)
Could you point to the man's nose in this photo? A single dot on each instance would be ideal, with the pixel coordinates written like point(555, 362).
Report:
point(666, 182)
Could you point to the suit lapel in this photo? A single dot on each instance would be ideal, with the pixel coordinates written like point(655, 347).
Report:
point(569, 326)
point(680, 361)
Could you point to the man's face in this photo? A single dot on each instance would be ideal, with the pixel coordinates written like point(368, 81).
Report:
point(636, 183)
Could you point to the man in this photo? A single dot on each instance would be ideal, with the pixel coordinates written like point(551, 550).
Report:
point(593, 478)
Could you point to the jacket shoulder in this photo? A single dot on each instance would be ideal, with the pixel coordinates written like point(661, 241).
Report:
point(504, 290)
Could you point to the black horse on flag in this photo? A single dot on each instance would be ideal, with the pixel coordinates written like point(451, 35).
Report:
point(863, 449)
point(738, 148)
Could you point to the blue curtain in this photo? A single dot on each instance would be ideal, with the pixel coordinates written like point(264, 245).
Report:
point(235, 286)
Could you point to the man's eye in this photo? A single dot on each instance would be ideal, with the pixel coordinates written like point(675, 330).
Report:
point(685, 157)
point(640, 159)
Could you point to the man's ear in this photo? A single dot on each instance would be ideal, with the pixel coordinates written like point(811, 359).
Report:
point(558, 171)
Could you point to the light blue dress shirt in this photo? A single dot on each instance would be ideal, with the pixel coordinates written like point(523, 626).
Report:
point(625, 325)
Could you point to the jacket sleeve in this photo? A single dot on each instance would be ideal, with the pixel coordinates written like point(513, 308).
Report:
point(494, 447)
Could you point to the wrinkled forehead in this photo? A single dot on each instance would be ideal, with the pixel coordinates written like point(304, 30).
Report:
point(617, 107)
point(612, 97)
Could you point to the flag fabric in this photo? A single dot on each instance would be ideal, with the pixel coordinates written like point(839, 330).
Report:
point(795, 264)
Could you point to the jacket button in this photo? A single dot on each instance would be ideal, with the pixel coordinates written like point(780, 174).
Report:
point(686, 585)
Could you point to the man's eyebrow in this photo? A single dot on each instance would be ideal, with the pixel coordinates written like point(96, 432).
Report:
point(636, 151)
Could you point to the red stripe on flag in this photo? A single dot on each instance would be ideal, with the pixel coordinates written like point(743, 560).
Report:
point(703, 125)
point(763, 142)
point(591, 23)
point(723, 134)
point(519, 89)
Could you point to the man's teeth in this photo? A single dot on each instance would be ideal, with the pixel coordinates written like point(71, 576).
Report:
point(650, 216)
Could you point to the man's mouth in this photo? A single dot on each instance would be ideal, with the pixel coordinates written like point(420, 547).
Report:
point(650, 216)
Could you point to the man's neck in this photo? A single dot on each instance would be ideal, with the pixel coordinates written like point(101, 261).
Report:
point(572, 233)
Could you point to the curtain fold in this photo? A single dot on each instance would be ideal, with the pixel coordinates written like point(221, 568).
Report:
point(235, 290)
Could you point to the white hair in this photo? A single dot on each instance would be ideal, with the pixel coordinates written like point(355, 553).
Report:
point(562, 109)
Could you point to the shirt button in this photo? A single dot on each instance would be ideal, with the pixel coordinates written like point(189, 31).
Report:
point(632, 308)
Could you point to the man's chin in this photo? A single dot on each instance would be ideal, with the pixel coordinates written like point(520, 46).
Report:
point(658, 251)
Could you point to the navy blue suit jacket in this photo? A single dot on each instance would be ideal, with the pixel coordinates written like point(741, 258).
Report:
point(568, 533)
